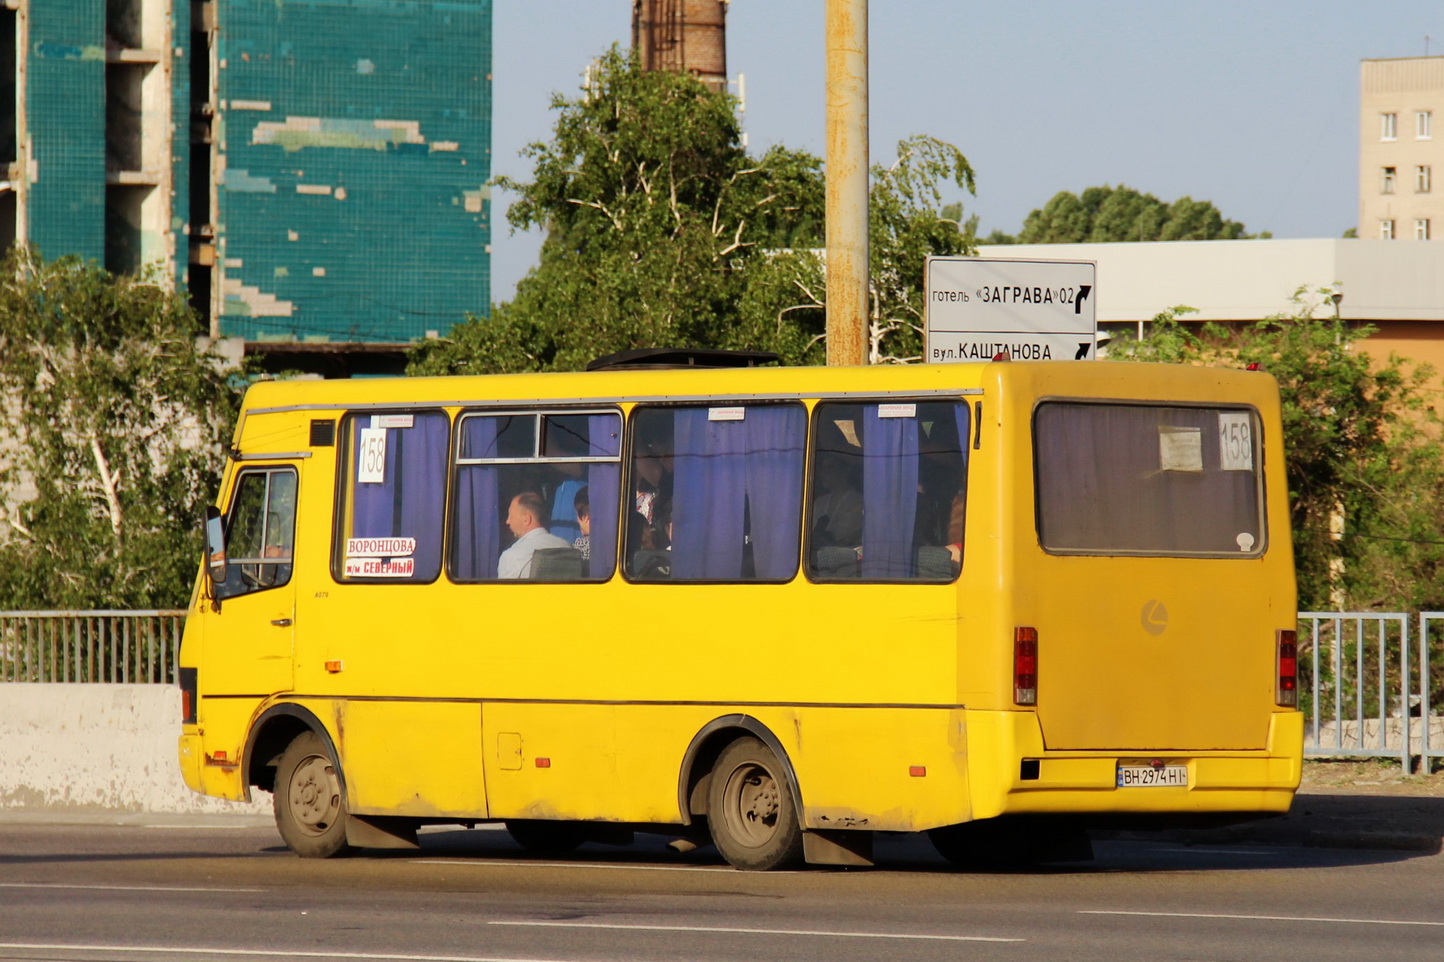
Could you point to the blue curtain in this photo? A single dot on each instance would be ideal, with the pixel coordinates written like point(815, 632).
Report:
point(710, 496)
point(728, 473)
point(960, 413)
point(409, 502)
point(890, 495)
point(478, 515)
point(775, 437)
point(604, 482)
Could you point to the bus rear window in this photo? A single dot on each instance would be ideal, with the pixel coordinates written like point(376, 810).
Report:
point(1148, 479)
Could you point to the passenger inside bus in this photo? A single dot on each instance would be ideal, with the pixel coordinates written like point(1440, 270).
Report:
point(523, 519)
point(837, 508)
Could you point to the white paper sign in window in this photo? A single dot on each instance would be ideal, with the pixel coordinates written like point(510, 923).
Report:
point(1180, 448)
point(1235, 441)
point(726, 414)
point(391, 420)
point(897, 410)
point(371, 460)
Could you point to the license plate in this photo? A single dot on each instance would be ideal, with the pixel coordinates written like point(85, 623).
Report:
point(1146, 776)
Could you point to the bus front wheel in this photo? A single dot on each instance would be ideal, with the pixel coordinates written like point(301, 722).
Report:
point(310, 807)
point(750, 812)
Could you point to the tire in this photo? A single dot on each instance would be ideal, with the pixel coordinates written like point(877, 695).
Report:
point(545, 837)
point(309, 802)
point(750, 811)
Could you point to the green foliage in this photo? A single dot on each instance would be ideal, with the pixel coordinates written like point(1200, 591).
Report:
point(662, 231)
point(111, 440)
point(1110, 214)
point(1361, 447)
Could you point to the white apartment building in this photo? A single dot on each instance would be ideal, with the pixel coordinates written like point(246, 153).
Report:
point(1401, 104)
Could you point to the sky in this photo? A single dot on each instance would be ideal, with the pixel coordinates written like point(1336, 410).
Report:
point(1250, 104)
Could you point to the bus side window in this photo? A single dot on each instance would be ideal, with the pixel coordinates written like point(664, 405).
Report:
point(563, 469)
point(393, 482)
point(888, 492)
point(717, 492)
point(260, 532)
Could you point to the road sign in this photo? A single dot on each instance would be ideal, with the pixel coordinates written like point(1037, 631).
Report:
point(1035, 310)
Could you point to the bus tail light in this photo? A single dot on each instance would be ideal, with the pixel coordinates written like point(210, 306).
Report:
point(1288, 658)
point(1025, 666)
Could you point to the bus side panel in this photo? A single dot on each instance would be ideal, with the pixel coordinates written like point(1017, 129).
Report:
point(560, 761)
point(886, 769)
point(412, 758)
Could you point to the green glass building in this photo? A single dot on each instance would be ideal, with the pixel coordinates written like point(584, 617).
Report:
point(312, 172)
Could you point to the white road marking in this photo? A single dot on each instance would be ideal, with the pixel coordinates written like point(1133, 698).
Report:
point(726, 930)
point(194, 951)
point(510, 863)
point(1217, 851)
point(117, 888)
point(1260, 918)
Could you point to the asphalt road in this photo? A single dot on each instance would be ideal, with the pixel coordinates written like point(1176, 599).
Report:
point(217, 889)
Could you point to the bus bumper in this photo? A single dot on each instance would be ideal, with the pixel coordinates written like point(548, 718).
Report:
point(1011, 773)
point(208, 776)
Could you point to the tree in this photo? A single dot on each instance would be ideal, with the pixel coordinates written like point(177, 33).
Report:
point(1111, 214)
point(1360, 445)
point(662, 231)
point(113, 435)
point(653, 213)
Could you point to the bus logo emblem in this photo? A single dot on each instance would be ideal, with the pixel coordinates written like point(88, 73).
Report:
point(1154, 617)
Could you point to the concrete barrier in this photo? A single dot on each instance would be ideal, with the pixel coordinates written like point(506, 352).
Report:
point(89, 748)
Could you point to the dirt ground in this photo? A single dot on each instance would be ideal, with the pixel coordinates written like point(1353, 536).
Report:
point(1373, 777)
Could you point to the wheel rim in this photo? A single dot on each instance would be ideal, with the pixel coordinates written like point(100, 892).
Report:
point(315, 795)
point(753, 804)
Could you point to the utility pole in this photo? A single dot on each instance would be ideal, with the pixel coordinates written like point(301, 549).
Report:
point(847, 187)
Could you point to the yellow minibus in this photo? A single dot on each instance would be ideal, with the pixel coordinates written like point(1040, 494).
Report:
point(774, 609)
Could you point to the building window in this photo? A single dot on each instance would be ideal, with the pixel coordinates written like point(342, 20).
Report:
point(1421, 228)
point(1388, 126)
point(1386, 180)
point(1386, 230)
point(1423, 124)
point(1423, 178)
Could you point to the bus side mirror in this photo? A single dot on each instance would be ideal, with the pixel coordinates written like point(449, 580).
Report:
point(216, 566)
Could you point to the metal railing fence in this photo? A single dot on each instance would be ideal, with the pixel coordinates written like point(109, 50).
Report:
point(1358, 685)
point(1370, 684)
point(115, 647)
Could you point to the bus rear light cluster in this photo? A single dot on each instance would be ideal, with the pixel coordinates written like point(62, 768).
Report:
point(1288, 669)
point(1025, 666)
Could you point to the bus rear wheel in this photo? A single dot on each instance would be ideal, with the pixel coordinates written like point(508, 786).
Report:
point(309, 803)
point(750, 812)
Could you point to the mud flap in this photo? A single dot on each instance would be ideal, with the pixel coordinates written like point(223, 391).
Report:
point(833, 847)
point(380, 831)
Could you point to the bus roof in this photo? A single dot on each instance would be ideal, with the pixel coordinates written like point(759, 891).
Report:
point(1058, 378)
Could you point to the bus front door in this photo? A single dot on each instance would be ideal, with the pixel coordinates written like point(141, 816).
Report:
point(249, 643)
